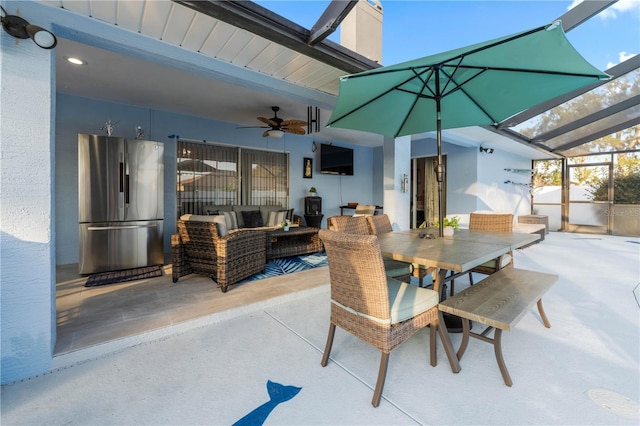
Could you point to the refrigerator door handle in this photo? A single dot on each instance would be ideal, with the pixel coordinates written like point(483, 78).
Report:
point(126, 178)
point(126, 194)
point(108, 228)
point(121, 176)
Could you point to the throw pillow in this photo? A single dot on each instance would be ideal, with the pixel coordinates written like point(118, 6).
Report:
point(252, 218)
point(276, 218)
point(213, 212)
point(290, 215)
point(230, 220)
point(221, 225)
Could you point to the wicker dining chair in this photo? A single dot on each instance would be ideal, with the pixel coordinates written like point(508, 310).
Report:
point(379, 310)
point(381, 223)
point(349, 224)
point(359, 225)
point(500, 222)
point(365, 210)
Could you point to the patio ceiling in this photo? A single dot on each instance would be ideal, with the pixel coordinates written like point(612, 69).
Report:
point(247, 58)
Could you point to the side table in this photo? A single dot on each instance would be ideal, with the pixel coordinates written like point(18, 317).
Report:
point(314, 220)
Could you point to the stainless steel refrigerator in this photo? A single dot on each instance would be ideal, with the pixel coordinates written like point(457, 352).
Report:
point(121, 203)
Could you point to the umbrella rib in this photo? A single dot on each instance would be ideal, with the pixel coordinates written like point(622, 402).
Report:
point(359, 107)
point(522, 70)
point(419, 95)
point(471, 98)
point(396, 87)
point(450, 77)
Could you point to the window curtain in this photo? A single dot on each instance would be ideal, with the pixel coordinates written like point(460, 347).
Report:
point(209, 174)
point(431, 205)
point(265, 178)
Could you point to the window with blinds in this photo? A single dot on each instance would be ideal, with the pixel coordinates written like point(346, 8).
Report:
point(209, 174)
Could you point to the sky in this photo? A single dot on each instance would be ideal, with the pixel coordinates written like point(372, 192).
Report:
point(416, 28)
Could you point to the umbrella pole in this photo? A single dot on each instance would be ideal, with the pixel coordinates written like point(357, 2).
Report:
point(440, 171)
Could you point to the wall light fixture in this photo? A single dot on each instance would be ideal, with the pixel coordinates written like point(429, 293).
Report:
point(20, 28)
point(405, 182)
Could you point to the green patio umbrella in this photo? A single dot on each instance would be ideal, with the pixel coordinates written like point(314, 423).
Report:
point(481, 84)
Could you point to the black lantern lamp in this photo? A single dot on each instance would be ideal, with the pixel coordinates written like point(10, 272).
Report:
point(20, 28)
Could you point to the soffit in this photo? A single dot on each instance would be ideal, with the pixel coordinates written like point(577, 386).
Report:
point(184, 27)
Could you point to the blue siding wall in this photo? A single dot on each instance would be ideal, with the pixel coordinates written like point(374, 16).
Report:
point(81, 115)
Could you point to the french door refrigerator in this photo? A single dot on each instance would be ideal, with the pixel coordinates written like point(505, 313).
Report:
point(121, 203)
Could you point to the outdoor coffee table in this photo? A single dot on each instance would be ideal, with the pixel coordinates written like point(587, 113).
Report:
point(294, 242)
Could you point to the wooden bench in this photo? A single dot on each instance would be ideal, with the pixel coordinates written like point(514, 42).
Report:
point(499, 301)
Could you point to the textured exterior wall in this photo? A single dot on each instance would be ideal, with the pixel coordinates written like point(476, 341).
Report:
point(361, 30)
point(397, 162)
point(27, 278)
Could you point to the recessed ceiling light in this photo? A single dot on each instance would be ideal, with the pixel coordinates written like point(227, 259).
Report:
point(76, 61)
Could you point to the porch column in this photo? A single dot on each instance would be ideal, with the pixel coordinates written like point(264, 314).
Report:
point(27, 255)
point(397, 162)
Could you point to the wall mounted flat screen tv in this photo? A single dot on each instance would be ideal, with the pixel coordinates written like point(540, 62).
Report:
point(336, 160)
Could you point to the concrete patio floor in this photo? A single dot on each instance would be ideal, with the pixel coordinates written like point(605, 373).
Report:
point(214, 369)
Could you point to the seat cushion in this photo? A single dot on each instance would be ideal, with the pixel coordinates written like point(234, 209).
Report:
point(395, 268)
point(407, 301)
point(506, 259)
point(221, 225)
point(197, 217)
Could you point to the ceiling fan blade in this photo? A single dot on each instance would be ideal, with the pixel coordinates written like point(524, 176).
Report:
point(252, 127)
point(268, 121)
point(265, 134)
point(294, 123)
point(294, 130)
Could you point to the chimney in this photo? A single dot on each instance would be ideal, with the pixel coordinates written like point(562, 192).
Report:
point(361, 30)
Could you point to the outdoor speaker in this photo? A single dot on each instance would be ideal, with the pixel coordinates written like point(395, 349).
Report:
point(312, 205)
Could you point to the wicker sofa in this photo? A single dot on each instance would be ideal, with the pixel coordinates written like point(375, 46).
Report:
point(198, 248)
point(201, 246)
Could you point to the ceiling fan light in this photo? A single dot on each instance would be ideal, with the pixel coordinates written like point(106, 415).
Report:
point(277, 134)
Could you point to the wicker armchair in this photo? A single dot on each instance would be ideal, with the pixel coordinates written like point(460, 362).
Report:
point(402, 271)
point(197, 248)
point(366, 303)
point(359, 225)
point(500, 222)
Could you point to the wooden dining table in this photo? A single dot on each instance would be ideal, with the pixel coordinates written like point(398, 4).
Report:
point(459, 253)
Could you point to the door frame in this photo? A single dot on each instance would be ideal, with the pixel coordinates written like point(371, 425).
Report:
point(582, 228)
point(418, 182)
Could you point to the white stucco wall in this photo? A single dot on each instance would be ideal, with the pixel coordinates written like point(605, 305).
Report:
point(27, 280)
point(476, 181)
point(397, 162)
point(492, 191)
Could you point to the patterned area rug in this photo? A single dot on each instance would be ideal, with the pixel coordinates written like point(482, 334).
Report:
point(123, 276)
point(289, 265)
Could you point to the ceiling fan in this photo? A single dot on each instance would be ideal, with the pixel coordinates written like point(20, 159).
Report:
point(278, 127)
